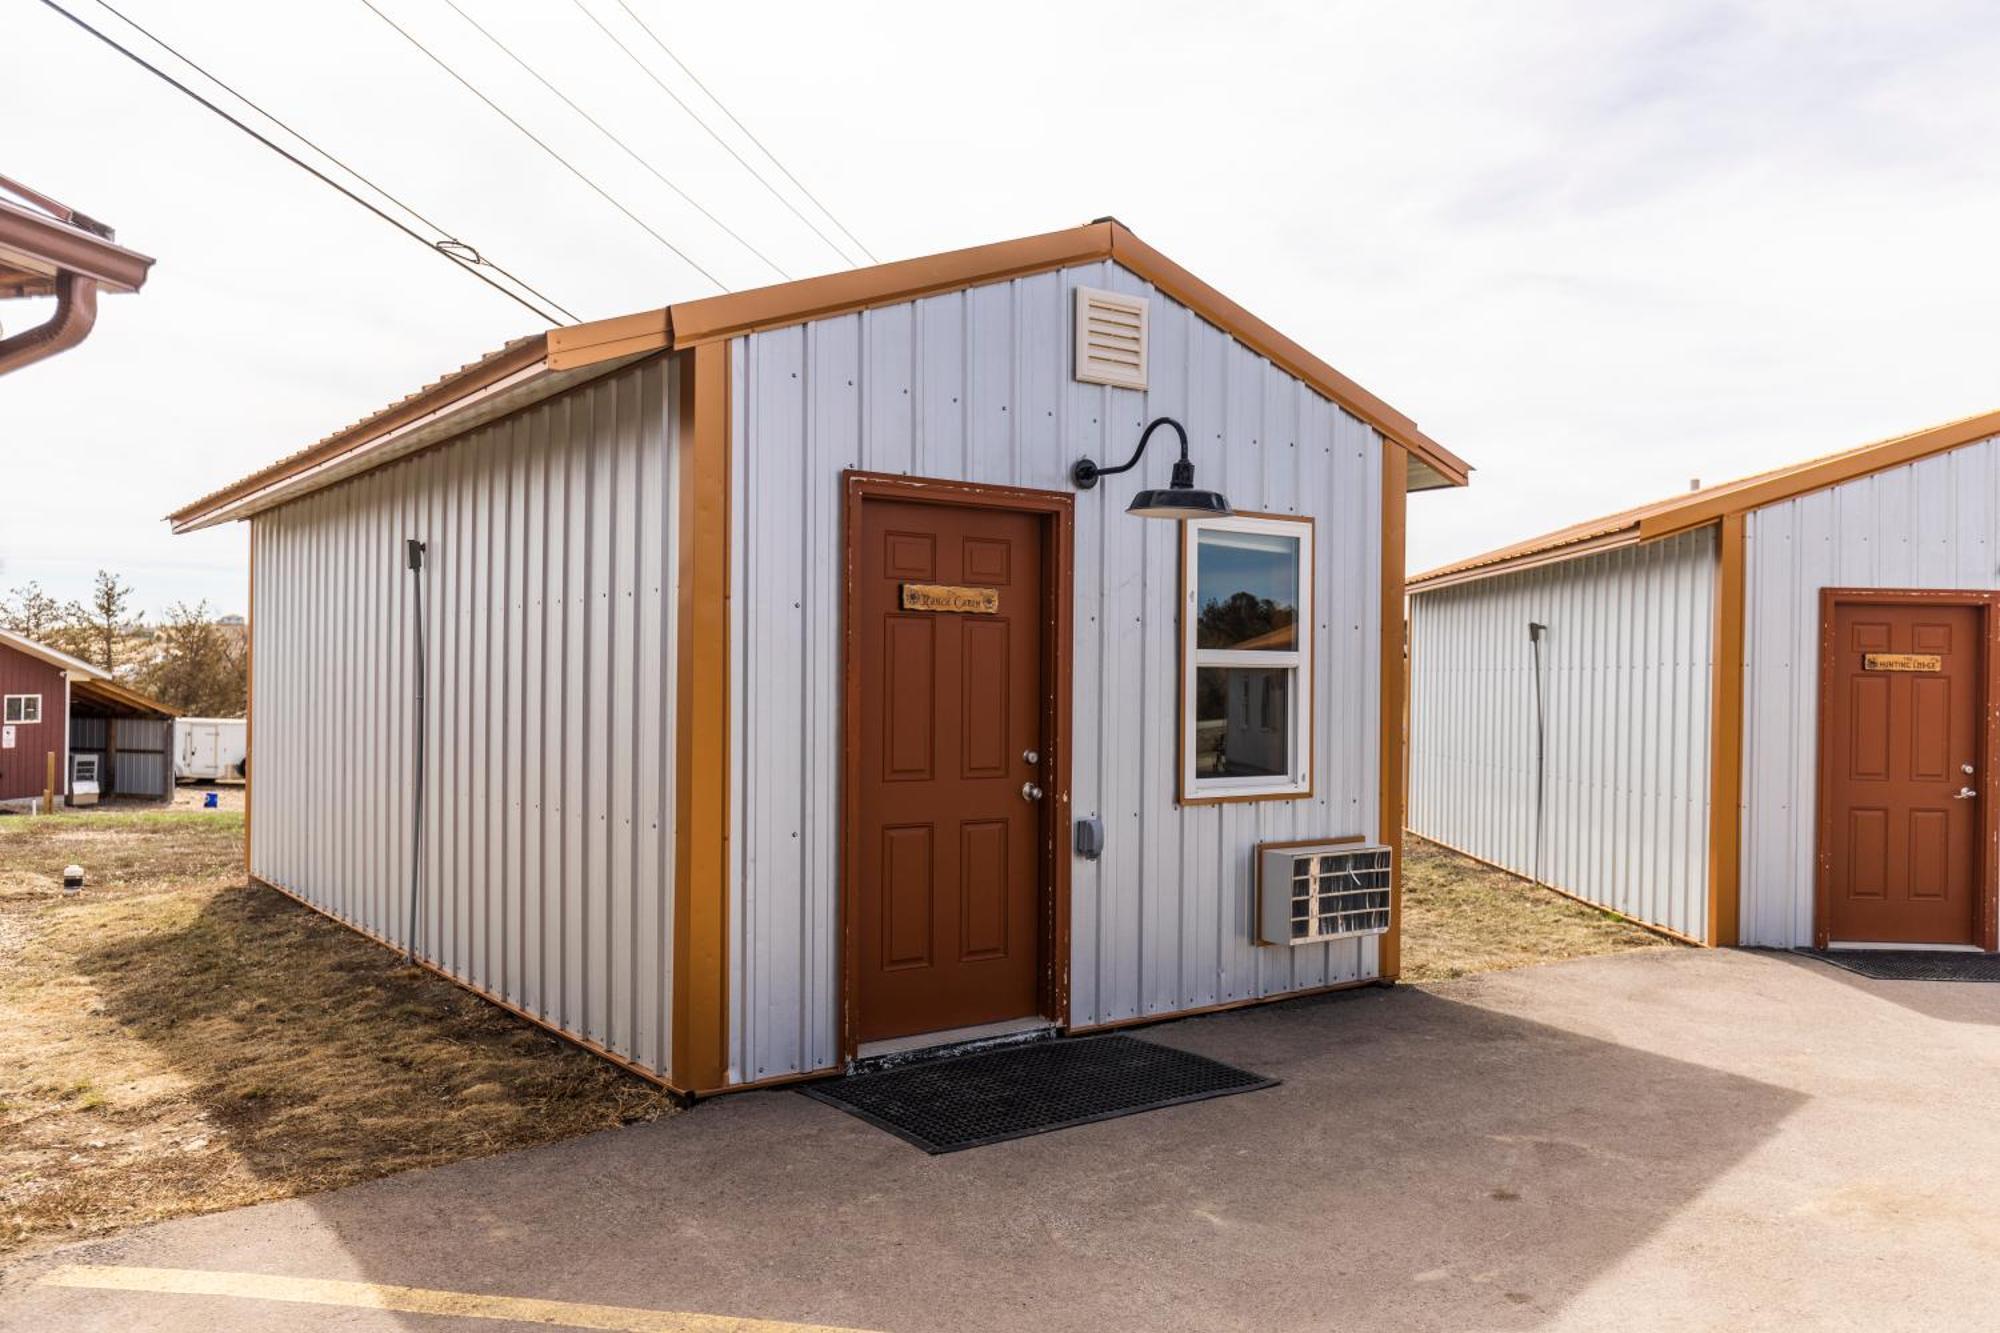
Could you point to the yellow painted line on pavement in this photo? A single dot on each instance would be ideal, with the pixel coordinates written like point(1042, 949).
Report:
point(411, 1300)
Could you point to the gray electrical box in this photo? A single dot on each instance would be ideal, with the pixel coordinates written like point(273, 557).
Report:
point(1089, 840)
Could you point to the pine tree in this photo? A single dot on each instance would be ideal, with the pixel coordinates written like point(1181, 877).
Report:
point(96, 628)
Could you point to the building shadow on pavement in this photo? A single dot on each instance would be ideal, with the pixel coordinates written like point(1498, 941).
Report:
point(1426, 1163)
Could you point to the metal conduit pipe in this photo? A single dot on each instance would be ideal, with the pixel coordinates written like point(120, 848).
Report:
point(413, 551)
point(1535, 632)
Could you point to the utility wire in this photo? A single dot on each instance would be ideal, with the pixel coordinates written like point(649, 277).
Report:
point(645, 69)
point(454, 250)
point(539, 143)
point(710, 94)
point(629, 150)
point(451, 247)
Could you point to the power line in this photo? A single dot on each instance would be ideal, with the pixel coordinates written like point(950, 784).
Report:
point(777, 194)
point(449, 246)
point(437, 247)
point(533, 138)
point(710, 94)
point(629, 150)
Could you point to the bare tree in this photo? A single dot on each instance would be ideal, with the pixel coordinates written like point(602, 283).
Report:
point(197, 666)
point(98, 627)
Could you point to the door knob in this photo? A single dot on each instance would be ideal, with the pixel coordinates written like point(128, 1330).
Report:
point(1030, 792)
point(1964, 794)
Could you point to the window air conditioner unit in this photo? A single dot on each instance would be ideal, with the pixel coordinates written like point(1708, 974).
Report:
point(1308, 893)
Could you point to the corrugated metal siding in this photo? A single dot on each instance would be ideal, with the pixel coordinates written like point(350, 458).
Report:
point(24, 769)
point(1930, 524)
point(1627, 662)
point(549, 611)
point(141, 767)
point(976, 385)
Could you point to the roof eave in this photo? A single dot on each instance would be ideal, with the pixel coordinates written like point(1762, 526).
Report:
point(38, 243)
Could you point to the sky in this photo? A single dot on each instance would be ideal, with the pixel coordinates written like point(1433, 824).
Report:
point(1597, 250)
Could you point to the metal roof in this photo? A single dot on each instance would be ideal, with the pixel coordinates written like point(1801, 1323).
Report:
point(91, 680)
point(541, 364)
point(1698, 508)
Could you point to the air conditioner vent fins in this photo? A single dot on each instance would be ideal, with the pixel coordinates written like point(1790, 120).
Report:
point(1310, 894)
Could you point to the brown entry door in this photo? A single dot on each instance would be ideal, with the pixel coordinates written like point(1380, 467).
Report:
point(1901, 841)
point(950, 703)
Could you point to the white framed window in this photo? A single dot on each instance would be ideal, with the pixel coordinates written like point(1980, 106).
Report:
point(1246, 658)
point(24, 708)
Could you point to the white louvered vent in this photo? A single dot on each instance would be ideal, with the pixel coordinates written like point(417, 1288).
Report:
point(1327, 892)
point(1110, 338)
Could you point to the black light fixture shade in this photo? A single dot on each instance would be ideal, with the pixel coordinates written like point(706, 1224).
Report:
point(1181, 500)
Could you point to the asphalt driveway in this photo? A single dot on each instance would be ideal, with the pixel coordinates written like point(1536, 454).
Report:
point(1658, 1140)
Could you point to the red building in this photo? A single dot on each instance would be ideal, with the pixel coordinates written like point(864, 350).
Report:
point(54, 708)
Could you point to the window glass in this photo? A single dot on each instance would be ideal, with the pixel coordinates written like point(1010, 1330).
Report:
point(1246, 590)
point(1242, 722)
point(24, 708)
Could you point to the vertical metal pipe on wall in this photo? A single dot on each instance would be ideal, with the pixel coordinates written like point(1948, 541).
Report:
point(546, 806)
point(1616, 711)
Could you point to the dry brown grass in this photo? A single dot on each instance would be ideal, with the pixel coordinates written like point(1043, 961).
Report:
point(178, 1042)
point(1461, 917)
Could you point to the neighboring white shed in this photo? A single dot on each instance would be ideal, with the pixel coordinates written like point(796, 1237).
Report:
point(1759, 713)
point(788, 689)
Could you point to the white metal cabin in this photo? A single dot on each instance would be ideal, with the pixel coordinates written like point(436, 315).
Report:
point(1760, 713)
point(785, 693)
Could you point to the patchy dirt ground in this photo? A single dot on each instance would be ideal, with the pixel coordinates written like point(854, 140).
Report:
point(178, 1042)
point(1462, 917)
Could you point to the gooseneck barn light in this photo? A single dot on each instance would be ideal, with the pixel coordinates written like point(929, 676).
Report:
point(1179, 500)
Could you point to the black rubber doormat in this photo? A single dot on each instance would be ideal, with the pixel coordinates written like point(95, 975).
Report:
point(1912, 964)
point(967, 1101)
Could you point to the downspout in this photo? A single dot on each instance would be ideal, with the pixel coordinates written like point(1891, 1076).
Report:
point(413, 551)
point(76, 312)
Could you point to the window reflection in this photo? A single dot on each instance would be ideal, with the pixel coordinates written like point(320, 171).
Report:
point(1246, 590)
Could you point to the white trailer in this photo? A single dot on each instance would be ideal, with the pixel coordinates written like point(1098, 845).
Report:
point(211, 749)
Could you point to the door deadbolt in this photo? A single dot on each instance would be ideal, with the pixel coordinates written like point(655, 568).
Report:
point(1035, 757)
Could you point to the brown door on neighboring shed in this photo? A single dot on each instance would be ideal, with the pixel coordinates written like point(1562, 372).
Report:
point(948, 710)
point(1901, 723)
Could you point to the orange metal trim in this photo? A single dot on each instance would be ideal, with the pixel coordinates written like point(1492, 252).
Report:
point(1706, 506)
point(603, 339)
point(1389, 667)
point(511, 361)
point(884, 284)
point(249, 698)
point(692, 323)
point(1696, 509)
point(701, 733)
point(1725, 764)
